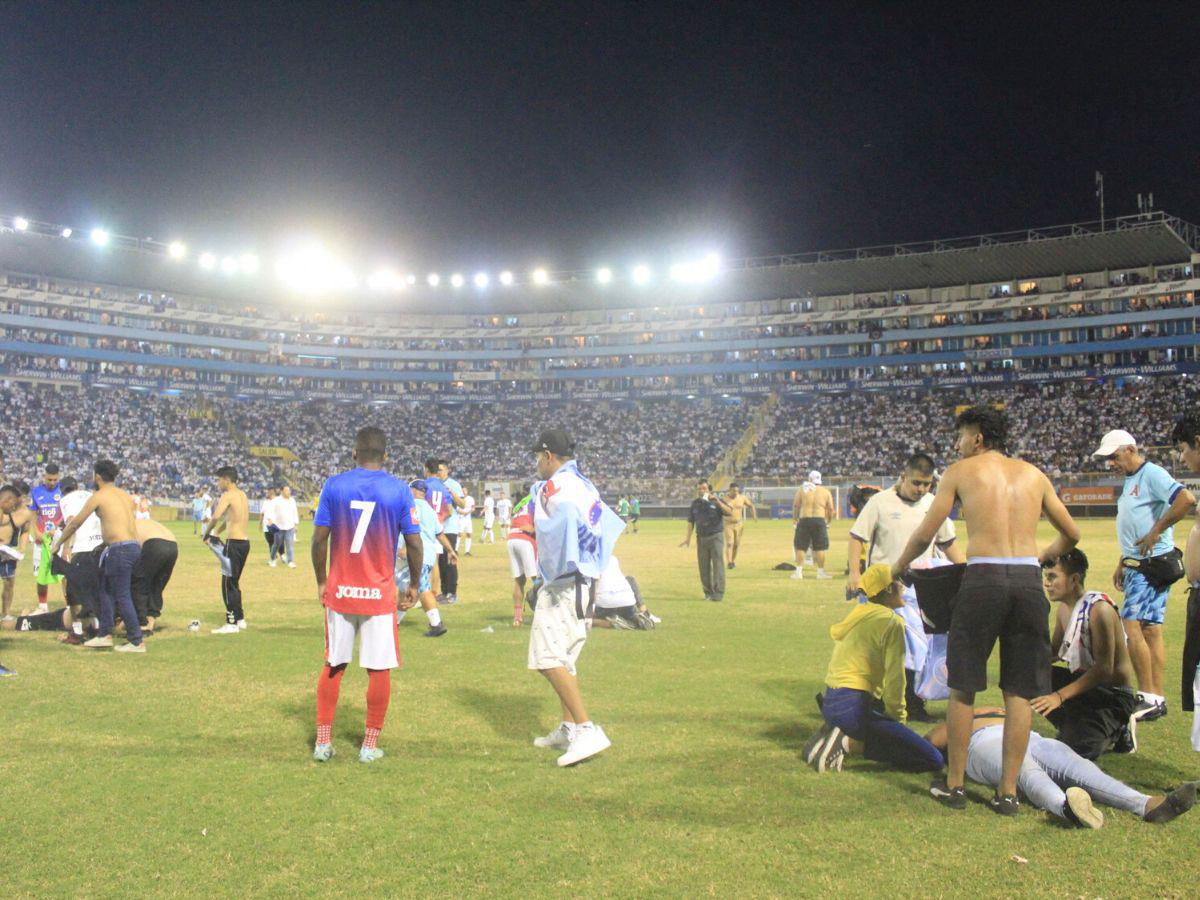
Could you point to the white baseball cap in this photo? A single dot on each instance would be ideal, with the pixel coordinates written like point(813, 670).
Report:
point(1114, 441)
point(814, 476)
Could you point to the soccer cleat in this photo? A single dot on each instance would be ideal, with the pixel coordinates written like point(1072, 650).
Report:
point(814, 744)
point(653, 618)
point(1007, 805)
point(620, 623)
point(369, 754)
point(645, 621)
point(227, 628)
point(952, 797)
point(1160, 710)
point(43, 608)
point(435, 631)
point(1148, 710)
point(832, 752)
point(131, 648)
point(1176, 804)
point(1079, 810)
point(587, 741)
point(1126, 741)
point(6, 672)
point(558, 739)
point(323, 753)
point(99, 643)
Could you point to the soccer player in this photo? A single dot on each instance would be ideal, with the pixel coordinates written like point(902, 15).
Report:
point(198, 504)
point(575, 534)
point(522, 555)
point(232, 515)
point(1001, 597)
point(360, 517)
point(635, 512)
point(433, 540)
point(44, 503)
point(1151, 502)
point(454, 498)
point(436, 496)
point(623, 508)
point(812, 511)
point(739, 503)
point(466, 526)
point(503, 510)
point(489, 518)
point(118, 526)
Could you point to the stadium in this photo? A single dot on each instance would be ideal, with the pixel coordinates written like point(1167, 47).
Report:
point(353, 545)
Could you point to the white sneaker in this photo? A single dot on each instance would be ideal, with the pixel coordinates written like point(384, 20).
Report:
point(559, 738)
point(291, 565)
point(241, 624)
point(99, 642)
point(227, 628)
point(43, 607)
point(823, 576)
point(131, 648)
point(587, 742)
point(798, 575)
point(271, 563)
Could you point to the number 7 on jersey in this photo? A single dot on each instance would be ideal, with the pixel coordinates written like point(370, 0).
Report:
point(364, 520)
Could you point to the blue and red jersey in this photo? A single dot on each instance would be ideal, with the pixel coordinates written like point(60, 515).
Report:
point(437, 495)
point(45, 503)
point(366, 511)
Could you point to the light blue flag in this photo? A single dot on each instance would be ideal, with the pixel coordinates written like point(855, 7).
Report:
point(573, 540)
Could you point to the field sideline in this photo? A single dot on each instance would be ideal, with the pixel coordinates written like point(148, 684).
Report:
point(187, 771)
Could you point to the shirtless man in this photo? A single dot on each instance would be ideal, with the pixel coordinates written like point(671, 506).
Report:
point(812, 511)
point(232, 516)
point(15, 519)
point(121, 552)
point(1001, 594)
point(739, 503)
point(160, 552)
point(1186, 437)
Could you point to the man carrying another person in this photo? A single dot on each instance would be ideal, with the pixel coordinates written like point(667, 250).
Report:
point(706, 516)
point(739, 503)
point(83, 558)
point(1151, 502)
point(812, 511)
point(1001, 595)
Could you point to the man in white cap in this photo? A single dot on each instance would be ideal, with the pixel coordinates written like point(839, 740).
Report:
point(812, 511)
point(1151, 502)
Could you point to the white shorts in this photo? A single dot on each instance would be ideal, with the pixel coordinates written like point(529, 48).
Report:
point(379, 641)
point(488, 522)
point(559, 630)
point(522, 559)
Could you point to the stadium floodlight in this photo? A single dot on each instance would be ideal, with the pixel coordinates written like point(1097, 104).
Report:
point(642, 274)
point(208, 261)
point(248, 264)
point(21, 223)
point(506, 278)
point(481, 280)
point(311, 269)
point(385, 279)
point(433, 279)
point(99, 237)
point(541, 276)
point(604, 275)
point(229, 265)
point(456, 280)
point(67, 232)
point(410, 279)
point(697, 271)
point(176, 250)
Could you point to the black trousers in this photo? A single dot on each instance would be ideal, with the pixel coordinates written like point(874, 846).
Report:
point(150, 576)
point(231, 588)
point(1090, 723)
point(448, 572)
point(83, 581)
point(1191, 649)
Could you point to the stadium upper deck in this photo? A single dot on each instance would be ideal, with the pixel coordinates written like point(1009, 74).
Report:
point(1078, 298)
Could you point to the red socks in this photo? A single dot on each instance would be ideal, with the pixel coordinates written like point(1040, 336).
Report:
point(329, 684)
point(379, 694)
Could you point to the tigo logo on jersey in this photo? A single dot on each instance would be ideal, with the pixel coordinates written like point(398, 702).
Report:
point(349, 592)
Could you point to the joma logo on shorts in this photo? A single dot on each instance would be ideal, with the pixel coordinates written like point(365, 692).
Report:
point(348, 592)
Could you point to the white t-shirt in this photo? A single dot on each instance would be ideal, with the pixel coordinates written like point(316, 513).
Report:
point(613, 590)
point(268, 512)
point(504, 508)
point(489, 506)
point(207, 514)
point(286, 513)
point(89, 535)
point(888, 521)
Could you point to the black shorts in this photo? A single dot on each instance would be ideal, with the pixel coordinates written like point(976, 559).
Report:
point(83, 581)
point(811, 534)
point(998, 600)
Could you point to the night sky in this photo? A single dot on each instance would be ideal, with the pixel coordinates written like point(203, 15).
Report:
point(475, 135)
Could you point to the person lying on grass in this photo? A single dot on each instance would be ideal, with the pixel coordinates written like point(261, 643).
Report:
point(1055, 778)
point(868, 662)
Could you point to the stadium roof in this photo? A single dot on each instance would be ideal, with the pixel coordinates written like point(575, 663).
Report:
point(1122, 243)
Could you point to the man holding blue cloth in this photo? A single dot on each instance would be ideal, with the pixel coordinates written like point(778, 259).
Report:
point(1151, 502)
point(575, 534)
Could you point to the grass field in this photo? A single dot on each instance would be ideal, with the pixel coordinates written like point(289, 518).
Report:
point(187, 771)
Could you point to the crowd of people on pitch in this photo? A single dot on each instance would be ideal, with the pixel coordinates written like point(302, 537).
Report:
point(927, 614)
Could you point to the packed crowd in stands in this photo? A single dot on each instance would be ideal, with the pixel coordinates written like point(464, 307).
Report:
point(170, 445)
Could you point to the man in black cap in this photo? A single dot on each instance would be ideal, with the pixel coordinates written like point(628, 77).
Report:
point(575, 534)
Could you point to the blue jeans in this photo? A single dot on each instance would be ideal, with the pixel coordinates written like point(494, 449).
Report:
point(284, 542)
point(884, 740)
point(116, 577)
point(1049, 768)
